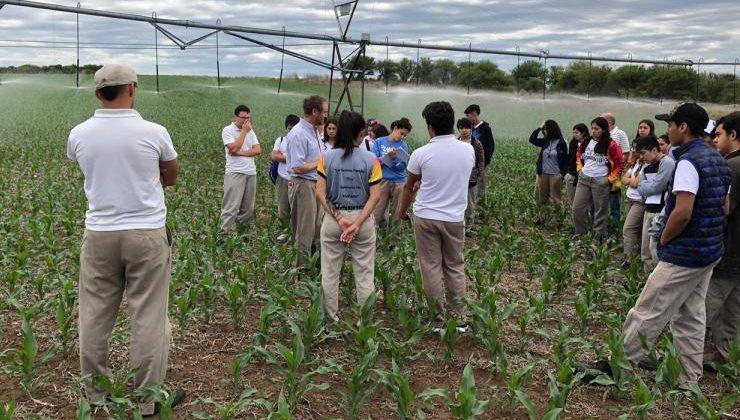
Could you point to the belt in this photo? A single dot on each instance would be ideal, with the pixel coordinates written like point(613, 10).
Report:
point(349, 207)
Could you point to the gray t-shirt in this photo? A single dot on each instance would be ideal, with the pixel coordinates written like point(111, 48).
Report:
point(550, 158)
point(348, 180)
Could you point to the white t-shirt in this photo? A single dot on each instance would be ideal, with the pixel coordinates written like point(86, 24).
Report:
point(633, 193)
point(119, 154)
point(594, 164)
point(444, 165)
point(621, 138)
point(686, 178)
point(239, 164)
point(281, 144)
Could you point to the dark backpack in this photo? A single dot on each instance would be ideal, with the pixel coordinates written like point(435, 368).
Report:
point(273, 171)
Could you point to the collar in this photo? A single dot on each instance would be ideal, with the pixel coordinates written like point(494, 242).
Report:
point(479, 124)
point(616, 128)
point(445, 137)
point(686, 146)
point(116, 113)
point(732, 154)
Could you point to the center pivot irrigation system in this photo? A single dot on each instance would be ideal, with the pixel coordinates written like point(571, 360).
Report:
point(345, 65)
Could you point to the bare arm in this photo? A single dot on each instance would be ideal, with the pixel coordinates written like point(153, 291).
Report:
point(349, 233)
point(237, 144)
point(328, 208)
point(168, 172)
point(409, 191)
point(278, 156)
point(306, 167)
point(251, 152)
point(679, 218)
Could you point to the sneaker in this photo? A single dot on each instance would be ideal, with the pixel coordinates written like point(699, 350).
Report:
point(176, 400)
point(282, 238)
point(601, 366)
point(647, 364)
point(463, 327)
point(469, 233)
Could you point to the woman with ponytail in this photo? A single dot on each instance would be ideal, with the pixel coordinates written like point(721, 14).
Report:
point(348, 188)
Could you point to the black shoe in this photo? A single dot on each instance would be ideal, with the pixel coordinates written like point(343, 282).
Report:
point(647, 364)
point(602, 366)
point(176, 400)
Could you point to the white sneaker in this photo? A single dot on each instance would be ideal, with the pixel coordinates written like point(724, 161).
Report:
point(282, 237)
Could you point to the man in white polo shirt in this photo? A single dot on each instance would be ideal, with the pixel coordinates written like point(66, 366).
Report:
point(126, 162)
point(443, 167)
point(240, 180)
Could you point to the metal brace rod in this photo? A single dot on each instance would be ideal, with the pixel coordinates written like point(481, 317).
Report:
point(197, 40)
point(179, 42)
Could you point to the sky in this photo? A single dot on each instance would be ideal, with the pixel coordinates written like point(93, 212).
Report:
point(665, 29)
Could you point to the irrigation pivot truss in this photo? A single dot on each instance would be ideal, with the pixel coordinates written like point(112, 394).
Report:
point(346, 65)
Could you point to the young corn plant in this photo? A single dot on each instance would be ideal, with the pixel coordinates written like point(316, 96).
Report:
point(562, 383)
point(729, 372)
point(523, 320)
point(118, 402)
point(360, 387)
point(516, 381)
point(705, 409)
point(398, 386)
point(464, 404)
point(65, 312)
point(363, 333)
point(27, 360)
point(449, 335)
point(7, 410)
point(230, 410)
point(644, 399)
point(488, 321)
point(401, 350)
point(620, 366)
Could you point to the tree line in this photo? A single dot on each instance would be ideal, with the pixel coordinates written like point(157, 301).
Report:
point(581, 77)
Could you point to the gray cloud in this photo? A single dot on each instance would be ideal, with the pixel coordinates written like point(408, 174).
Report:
point(679, 29)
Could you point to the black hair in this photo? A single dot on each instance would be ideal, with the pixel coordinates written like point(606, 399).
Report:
point(349, 127)
point(110, 93)
point(472, 108)
point(326, 124)
point(381, 131)
point(603, 146)
point(730, 122)
point(464, 123)
point(291, 120)
point(401, 124)
point(311, 103)
point(241, 108)
point(552, 130)
point(583, 129)
point(647, 143)
point(650, 124)
point(665, 137)
point(440, 116)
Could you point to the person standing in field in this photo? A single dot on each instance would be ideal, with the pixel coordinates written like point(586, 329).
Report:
point(690, 247)
point(240, 179)
point(615, 195)
point(651, 185)
point(634, 205)
point(464, 128)
point(393, 153)
point(348, 188)
point(723, 296)
point(483, 133)
point(443, 167)
point(552, 165)
point(281, 181)
point(580, 134)
point(330, 134)
point(599, 162)
point(126, 161)
point(302, 157)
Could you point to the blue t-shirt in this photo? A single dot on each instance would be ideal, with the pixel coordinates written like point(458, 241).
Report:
point(394, 168)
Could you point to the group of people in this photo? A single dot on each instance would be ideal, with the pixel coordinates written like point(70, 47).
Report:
point(334, 181)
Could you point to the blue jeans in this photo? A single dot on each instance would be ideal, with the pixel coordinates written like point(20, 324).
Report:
point(615, 202)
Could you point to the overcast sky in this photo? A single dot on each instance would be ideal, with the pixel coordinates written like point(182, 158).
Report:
point(673, 29)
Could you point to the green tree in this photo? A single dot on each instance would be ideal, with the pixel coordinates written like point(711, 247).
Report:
point(406, 69)
point(386, 70)
point(483, 75)
point(445, 71)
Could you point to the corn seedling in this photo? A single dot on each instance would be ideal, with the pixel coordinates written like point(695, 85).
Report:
point(516, 381)
point(562, 383)
point(229, 410)
point(7, 410)
point(465, 404)
point(397, 385)
point(705, 409)
point(488, 320)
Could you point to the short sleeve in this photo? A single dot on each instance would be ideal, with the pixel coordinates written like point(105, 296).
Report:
point(252, 138)
point(376, 175)
point(167, 149)
point(228, 136)
point(321, 168)
point(414, 165)
point(686, 178)
point(71, 152)
point(277, 144)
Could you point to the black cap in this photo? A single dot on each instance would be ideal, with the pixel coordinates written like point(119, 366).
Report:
point(690, 113)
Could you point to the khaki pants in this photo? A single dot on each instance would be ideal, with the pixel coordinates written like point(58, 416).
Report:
point(548, 190)
point(648, 260)
point(483, 184)
point(281, 197)
point(305, 218)
point(238, 202)
point(439, 249)
point(591, 191)
point(570, 189)
point(632, 229)
point(390, 196)
point(472, 206)
point(362, 253)
point(136, 262)
point(672, 294)
point(723, 310)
